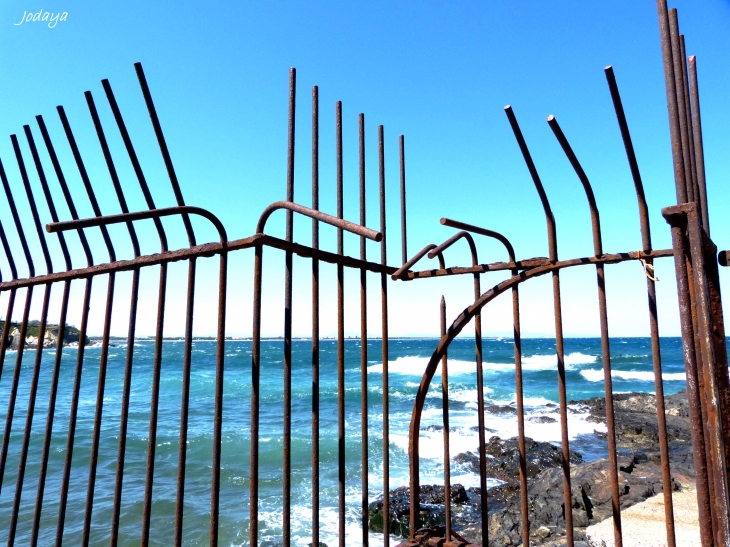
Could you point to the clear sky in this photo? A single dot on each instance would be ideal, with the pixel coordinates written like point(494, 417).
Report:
point(439, 73)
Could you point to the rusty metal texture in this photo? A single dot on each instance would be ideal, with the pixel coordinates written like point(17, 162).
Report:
point(653, 317)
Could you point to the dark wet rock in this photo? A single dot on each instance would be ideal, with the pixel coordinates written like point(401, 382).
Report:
point(500, 409)
point(639, 476)
point(503, 458)
point(431, 500)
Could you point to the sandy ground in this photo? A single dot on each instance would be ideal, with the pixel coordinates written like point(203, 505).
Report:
point(643, 523)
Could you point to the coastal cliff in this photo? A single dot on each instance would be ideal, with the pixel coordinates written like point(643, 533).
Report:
point(50, 340)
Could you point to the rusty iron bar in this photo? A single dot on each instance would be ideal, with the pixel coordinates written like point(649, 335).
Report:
point(39, 348)
point(163, 148)
point(318, 215)
point(23, 325)
point(672, 104)
point(653, 316)
point(603, 316)
point(479, 371)
point(340, 337)
point(558, 313)
point(315, 318)
point(403, 271)
point(364, 333)
point(698, 146)
point(445, 417)
point(157, 357)
point(404, 240)
point(709, 334)
point(678, 61)
point(681, 265)
point(286, 445)
point(690, 130)
point(65, 480)
point(59, 344)
point(86, 530)
point(384, 343)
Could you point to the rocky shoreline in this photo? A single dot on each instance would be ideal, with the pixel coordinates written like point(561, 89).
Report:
point(50, 340)
point(639, 478)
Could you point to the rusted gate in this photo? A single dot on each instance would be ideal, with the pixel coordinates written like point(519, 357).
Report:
point(703, 334)
point(698, 287)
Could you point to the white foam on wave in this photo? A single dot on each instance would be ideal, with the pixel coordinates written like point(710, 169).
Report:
point(413, 365)
point(596, 375)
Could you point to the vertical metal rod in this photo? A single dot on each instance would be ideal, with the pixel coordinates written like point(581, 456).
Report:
point(384, 335)
point(124, 419)
point(480, 402)
point(404, 239)
point(98, 412)
point(688, 112)
point(105, 333)
point(288, 312)
point(23, 325)
point(39, 349)
point(59, 343)
point(698, 147)
point(129, 357)
point(218, 410)
point(184, 405)
point(253, 525)
point(681, 105)
point(445, 416)
point(154, 405)
point(340, 339)
point(157, 358)
point(519, 393)
point(672, 105)
point(693, 395)
point(603, 316)
point(557, 308)
point(653, 321)
point(65, 480)
point(363, 341)
point(315, 319)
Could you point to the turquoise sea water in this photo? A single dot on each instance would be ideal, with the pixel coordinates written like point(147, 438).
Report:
point(632, 371)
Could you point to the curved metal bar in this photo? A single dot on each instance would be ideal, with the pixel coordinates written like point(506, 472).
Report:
point(163, 148)
point(484, 232)
point(112, 169)
point(453, 331)
point(47, 194)
point(549, 217)
point(85, 179)
point(133, 158)
point(631, 156)
point(653, 320)
point(595, 218)
point(318, 215)
point(418, 256)
point(64, 187)
point(140, 215)
point(31, 203)
point(453, 239)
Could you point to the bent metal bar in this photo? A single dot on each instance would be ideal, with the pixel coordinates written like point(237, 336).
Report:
point(696, 265)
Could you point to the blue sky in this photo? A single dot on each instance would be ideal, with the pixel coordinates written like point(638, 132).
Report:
point(438, 73)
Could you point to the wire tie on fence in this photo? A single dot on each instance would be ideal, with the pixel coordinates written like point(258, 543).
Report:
point(648, 268)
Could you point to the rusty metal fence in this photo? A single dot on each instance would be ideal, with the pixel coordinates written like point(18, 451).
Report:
point(694, 253)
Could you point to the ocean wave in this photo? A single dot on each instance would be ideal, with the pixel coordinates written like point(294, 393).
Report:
point(596, 375)
point(413, 365)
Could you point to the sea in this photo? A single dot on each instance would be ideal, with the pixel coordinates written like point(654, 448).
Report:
point(631, 362)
